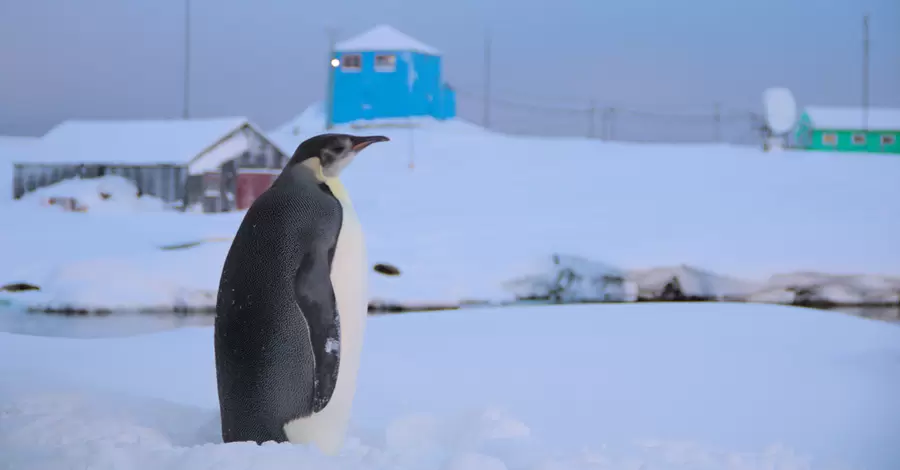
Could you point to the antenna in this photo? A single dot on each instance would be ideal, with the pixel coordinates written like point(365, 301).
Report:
point(332, 64)
point(865, 77)
point(780, 115)
point(185, 113)
point(487, 79)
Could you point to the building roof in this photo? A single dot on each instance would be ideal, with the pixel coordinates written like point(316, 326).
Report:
point(134, 142)
point(16, 147)
point(384, 38)
point(851, 117)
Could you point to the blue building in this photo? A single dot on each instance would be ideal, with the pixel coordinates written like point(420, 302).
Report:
point(384, 74)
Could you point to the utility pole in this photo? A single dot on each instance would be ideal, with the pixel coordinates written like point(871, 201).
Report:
point(487, 78)
point(865, 73)
point(604, 128)
point(611, 123)
point(329, 93)
point(187, 60)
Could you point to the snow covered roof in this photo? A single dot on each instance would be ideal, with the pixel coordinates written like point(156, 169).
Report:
point(16, 147)
point(384, 38)
point(850, 117)
point(135, 142)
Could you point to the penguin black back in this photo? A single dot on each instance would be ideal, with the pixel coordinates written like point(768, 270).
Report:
point(275, 311)
point(277, 329)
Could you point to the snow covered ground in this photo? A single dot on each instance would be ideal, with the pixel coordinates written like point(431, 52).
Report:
point(627, 386)
point(462, 212)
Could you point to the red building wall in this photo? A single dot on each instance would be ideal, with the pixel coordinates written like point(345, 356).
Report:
point(250, 185)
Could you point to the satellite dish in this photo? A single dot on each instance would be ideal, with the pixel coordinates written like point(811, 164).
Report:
point(781, 110)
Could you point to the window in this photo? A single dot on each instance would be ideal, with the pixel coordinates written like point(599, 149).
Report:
point(859, 139)
point(351, 62)
point(888, 139)
point(829, 139)
point(385, 62)
point(211, 184)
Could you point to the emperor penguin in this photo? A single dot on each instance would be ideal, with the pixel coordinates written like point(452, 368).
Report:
point(292, 304)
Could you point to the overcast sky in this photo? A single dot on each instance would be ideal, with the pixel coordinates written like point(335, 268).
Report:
point(266, 59)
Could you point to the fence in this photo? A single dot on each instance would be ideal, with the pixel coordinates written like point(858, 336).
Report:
point(607, 122)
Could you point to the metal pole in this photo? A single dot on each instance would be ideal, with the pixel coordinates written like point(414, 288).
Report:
point(329, 97)
point(487, 79)
point(187, 59)
point(612, 124)
point(865, 76)
point(604, 128)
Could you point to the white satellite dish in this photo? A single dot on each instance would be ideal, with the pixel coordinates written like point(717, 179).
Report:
point(781, 110)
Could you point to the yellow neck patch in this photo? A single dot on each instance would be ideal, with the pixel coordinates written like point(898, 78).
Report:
point(334, 183)
point(340, 192)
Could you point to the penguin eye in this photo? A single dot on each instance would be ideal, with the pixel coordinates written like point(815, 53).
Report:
point(338, 149)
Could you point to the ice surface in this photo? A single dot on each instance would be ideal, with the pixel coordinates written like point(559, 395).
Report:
point(627, 386)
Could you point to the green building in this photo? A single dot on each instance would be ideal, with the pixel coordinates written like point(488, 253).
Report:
point(847, 129)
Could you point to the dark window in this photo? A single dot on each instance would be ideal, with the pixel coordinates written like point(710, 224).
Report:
point(385, 62)
point(888, 139)
point(859, 139)
point(351, 62)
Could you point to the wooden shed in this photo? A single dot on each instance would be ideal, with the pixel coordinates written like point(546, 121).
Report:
point(213, 165)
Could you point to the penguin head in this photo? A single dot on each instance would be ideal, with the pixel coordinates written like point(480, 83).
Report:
point(331, 153)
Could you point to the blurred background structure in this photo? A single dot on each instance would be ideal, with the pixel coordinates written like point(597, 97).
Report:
point(643, 71)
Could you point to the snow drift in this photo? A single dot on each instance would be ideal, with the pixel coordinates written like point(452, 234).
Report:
point(106, 193)
point(461, 211)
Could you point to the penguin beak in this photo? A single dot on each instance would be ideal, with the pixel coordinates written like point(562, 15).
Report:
point(361, 142)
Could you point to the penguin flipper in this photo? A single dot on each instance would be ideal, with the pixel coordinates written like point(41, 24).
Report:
point(315, 297)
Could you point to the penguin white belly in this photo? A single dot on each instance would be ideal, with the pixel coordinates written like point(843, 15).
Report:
point(349, 271)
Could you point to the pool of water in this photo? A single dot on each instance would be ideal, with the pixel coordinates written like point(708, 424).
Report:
point(891, 314)
point(16, 320)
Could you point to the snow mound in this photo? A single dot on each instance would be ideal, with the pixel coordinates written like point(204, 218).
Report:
point(146, 280)
point(312, 121)
point(106, 193)
point(673, 282)
point(65, 430)
point(772, 296)
point(568, 278)
point(837, 289)
point(116, 284)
